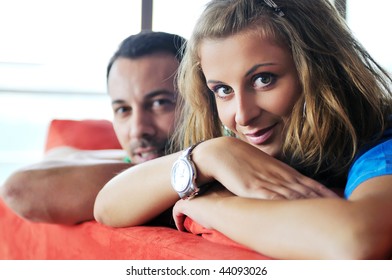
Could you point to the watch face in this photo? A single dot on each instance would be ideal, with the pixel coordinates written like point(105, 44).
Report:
point(181, 175)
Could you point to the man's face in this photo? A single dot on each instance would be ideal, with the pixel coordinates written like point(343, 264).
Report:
point(143, 101)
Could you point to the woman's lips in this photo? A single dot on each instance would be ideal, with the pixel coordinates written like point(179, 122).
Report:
point(261, 136)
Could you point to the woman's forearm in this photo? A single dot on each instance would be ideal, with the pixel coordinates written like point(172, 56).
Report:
point(298, 229)
point(137, 195)
point(284, 229)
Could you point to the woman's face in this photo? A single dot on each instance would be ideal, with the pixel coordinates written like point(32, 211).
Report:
point(255, 84)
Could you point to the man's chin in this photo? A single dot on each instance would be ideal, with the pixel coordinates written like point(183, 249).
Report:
point(140, 159)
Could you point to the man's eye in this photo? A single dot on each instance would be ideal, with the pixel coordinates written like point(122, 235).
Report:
point(222, 91)
point(163, 105)
point(162, 102)
point(121, 111)
point(263, 80)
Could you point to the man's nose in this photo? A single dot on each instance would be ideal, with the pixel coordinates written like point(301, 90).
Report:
point(141, 124)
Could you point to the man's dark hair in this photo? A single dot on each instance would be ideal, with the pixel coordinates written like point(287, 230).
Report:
point(146, 43)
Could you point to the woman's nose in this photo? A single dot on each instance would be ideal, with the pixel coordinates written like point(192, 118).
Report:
point(246, 108)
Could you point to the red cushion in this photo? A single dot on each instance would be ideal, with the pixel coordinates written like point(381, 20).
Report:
point(82, 134)
point(20, 239)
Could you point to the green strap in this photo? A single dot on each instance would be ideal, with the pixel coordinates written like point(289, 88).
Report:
point(127, 159)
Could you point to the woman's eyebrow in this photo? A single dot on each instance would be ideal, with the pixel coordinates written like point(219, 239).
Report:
point(255, 67)
point(213, 82)
point(250, 71)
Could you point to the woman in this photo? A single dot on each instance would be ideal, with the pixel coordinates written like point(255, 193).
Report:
point(310, 111)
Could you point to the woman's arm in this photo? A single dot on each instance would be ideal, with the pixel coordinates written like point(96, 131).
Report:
point(328, 228)
point(139, 194)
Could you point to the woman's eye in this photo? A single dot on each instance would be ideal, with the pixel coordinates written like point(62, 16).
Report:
point(222, 91)
point(263, 80)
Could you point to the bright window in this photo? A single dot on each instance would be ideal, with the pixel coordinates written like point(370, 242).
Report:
point(62, 45)
point(176, 16)
point(371, 21)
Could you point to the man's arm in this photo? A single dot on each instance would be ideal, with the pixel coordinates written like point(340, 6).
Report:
point(59, 191)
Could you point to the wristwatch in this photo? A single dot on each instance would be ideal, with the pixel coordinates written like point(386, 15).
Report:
point(183, 175)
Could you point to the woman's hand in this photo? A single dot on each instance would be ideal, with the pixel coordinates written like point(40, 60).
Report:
point(192, 207)
point(249, 172)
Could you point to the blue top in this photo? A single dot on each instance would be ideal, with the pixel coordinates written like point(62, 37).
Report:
point(371, 162)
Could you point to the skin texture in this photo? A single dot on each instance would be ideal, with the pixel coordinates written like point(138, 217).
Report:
point(143, 101)
point(260, 201)
point(63, 187)
point(255, 92)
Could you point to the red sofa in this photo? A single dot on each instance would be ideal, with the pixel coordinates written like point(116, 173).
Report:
point(21, 239)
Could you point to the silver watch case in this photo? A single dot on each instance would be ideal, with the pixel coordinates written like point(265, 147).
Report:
point(183, 175)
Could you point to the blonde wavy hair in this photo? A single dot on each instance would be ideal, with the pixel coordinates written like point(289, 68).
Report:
point(347, 94)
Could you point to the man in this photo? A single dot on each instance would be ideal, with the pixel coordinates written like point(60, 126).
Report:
point(141, 85)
